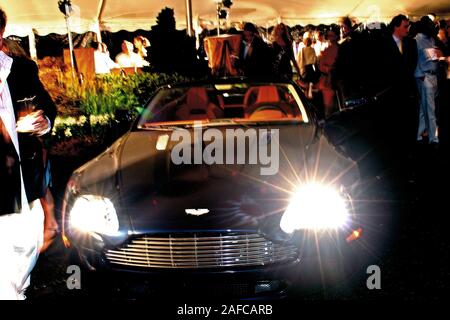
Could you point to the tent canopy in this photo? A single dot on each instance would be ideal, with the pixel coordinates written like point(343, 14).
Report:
point(44, 16)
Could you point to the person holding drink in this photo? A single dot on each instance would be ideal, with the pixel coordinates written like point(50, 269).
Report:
point(27, 114)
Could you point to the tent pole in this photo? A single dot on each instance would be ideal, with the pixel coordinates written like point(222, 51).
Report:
point(32, 44)
point(218, 18)
point(190, 31)
point(98, 32)
point(69, 34)
point(101, 8)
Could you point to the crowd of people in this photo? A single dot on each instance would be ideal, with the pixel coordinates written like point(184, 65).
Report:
point(406, 63)
point(133, 55)
point(342, 65)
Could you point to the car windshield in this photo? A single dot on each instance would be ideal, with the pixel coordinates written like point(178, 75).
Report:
point(224, 104)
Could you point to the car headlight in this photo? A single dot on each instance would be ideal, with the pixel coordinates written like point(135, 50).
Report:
point(315, 206)
point(91, 213)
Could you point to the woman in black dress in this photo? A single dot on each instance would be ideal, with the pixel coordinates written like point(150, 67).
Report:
point(283, 54)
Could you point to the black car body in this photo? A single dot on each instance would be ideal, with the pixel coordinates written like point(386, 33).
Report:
point(136, 211)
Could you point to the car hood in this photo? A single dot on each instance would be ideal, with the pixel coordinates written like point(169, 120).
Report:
point(158, 195)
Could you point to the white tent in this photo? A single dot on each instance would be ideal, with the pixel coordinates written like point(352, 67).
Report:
point(44, 17)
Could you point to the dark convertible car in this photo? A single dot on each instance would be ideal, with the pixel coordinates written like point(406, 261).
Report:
point(228, 184)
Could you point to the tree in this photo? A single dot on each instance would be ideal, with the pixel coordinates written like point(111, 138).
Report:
point(171, 50)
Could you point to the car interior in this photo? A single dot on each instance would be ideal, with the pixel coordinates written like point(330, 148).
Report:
point(264, 102)
point(198, 106)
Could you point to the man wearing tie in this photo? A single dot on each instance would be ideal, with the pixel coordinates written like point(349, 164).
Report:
point(399, 59)
point(393, 64)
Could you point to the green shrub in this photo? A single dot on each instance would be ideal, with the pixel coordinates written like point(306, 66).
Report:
point(107, 94)
point(100, 95)
point(87, 109)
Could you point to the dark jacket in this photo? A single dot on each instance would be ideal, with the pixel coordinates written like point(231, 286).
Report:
point(398, 69)
point(258, 61)
point(397, 76)
point(351, 67)
point(23, 82)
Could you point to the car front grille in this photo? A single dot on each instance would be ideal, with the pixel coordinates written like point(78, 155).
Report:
point(201, 251)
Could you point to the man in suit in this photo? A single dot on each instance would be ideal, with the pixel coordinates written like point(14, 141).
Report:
point(21, 217)
point(400, 52)
point(350, 72)
point(396, 59)
point(398, 62)
point(254, 56)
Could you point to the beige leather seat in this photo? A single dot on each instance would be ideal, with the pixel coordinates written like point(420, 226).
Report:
point(265, 97)
point(198, 106)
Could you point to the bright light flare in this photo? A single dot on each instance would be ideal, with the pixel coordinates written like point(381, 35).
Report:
point(356, 234)
point(91, 213)
point(315, 207)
